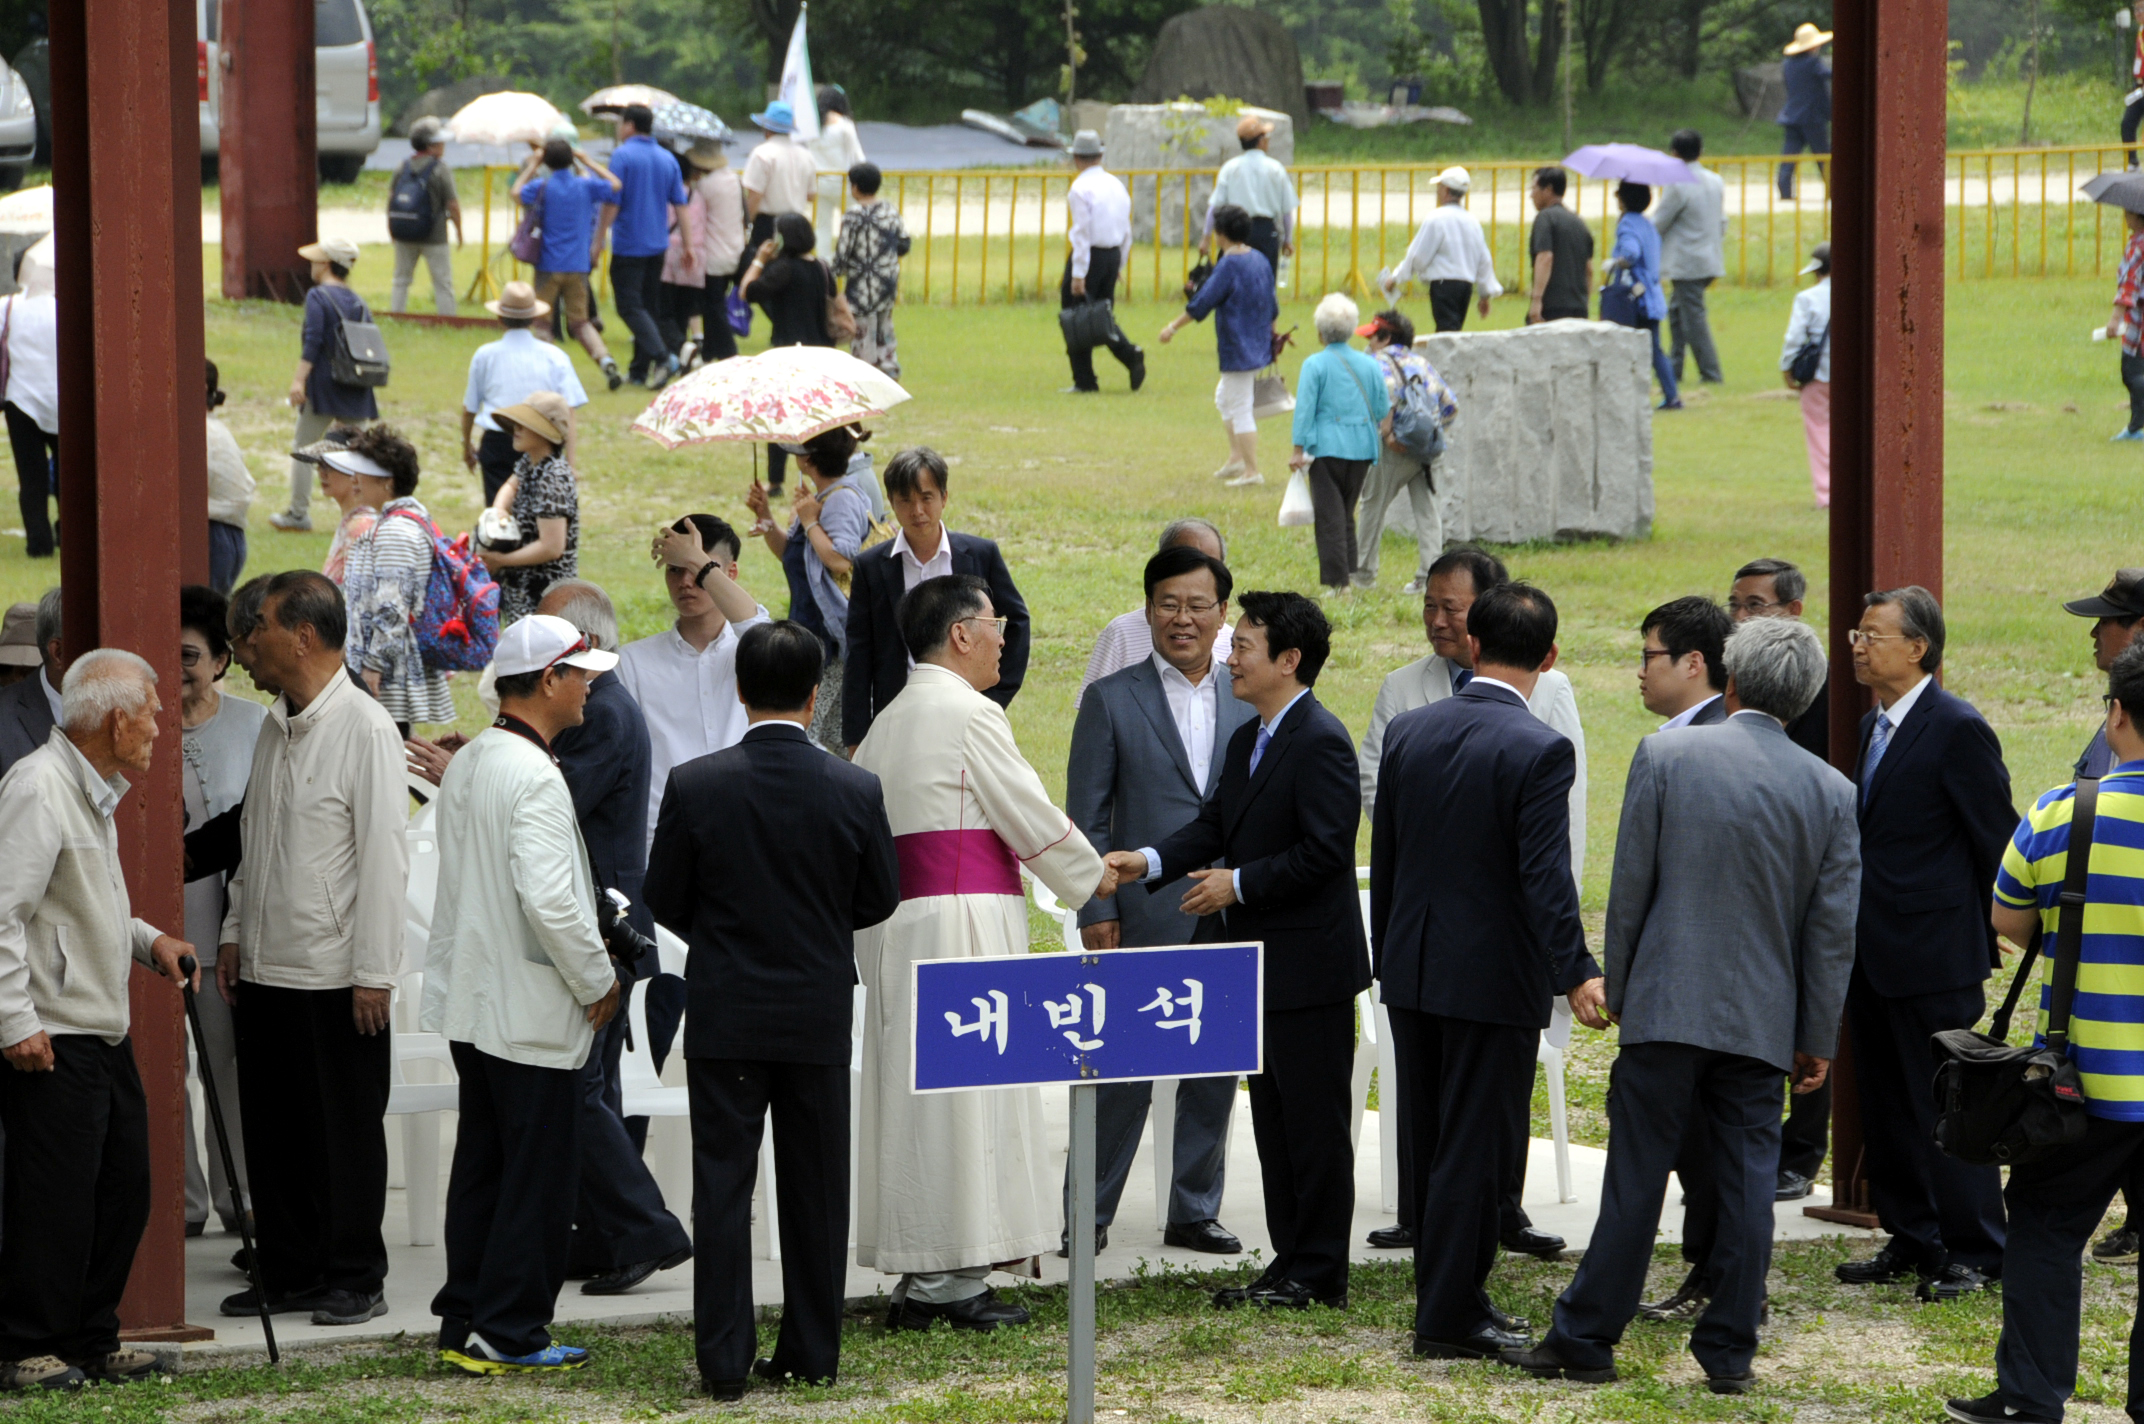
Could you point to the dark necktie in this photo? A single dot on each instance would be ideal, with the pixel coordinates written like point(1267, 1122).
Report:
point(1461, 677)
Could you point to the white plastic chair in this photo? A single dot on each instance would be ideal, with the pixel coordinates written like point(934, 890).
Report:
point(419, 1101)
point(1067, 916)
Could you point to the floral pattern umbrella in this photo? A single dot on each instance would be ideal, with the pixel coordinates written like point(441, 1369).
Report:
point(790, 393)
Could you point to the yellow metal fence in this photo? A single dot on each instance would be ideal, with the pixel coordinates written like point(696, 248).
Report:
point(984, 236)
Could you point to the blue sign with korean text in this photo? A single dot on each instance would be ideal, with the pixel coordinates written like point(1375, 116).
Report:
point(1185, 1011)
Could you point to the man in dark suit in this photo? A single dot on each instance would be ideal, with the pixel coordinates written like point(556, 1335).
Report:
point(1147, 751)
point(771, 983)
point(1279, 836)
point(1474, 919)
point(1730, 938)
point(27, 709)
point(1935, 814)
point(877, 663)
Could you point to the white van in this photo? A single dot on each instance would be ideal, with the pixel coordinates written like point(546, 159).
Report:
point(346, 78)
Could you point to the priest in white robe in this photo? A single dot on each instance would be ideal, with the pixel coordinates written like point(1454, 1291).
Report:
point(951, 1184)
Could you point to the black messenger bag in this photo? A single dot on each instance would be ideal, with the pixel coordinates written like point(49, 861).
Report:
point(1997, 1106)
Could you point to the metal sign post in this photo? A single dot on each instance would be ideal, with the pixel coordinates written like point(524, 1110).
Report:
point(1025, 1020)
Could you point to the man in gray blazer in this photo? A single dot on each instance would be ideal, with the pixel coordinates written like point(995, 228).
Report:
point(1692, 221)
point(1147, 750)
point(1730, 940)
point(28, 709)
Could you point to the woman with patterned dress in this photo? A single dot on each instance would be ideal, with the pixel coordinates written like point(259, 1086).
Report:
point(385, 580)
point(544, 504)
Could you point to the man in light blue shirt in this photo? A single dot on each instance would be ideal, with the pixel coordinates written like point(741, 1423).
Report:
point(653, 193)
point(1255, 181)
point(507, 372)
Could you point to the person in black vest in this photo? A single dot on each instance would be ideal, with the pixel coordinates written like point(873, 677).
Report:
point(771, 985)
point(1277, 838)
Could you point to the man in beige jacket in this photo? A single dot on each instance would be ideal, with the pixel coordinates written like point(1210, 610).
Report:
point(312, 946)
point(71, 1103)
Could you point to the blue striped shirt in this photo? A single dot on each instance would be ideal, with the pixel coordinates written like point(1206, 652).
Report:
point(2107, 1015)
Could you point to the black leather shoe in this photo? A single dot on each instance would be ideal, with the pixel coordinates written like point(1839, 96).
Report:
point(1529, 1241)
point(1484, 1344)
point(624, 1278)
point(1687, 1303)
point(727, 1391)
point(1793, 1186)
point(977, 1312)
point(1294, 1295)
point(1229, 1297)
point(1544, 1362)
point(1138, 369)
point(1208, 1236)
point(1391, 1238)
point(1101, 1243)
point(1731, 1384)
point(766, 1369)
point(348, 1307)
point(1990, 1409)
point(302, 1302)
point(1509, 1324)
point(1893, 1263)
point(1955, 1281)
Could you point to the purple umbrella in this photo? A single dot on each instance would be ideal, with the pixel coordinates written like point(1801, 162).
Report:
point(1631, 162)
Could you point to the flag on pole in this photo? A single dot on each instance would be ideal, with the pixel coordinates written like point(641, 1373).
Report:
point(796, 83)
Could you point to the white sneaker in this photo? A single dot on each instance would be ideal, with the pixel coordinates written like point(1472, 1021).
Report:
point(1229, 470)
point(1248, 477)
point(1415, 587)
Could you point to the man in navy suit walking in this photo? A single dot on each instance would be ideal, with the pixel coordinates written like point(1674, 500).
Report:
point(1474, 918)
point(1935, 816)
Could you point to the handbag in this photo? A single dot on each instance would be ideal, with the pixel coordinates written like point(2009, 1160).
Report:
point(1296, 510)
point(358, 356)
point(1997, 1105)
point(840, 321)
point(527, 242)
point(1807, 360)
point(739, 312)
point(1197, 278)
point(1619, 300)
point(876, 531)
point(1269, 394)
point(1087, 325)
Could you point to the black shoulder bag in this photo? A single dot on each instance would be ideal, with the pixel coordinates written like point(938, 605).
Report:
point(1997, 1105)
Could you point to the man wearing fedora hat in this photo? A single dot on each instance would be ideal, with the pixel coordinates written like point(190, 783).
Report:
point(1805, 121)
point(19, 656)
point(1450, 255)
point(506, 372)
point(780, 177)
point(1255, 181)
point(1099, 207)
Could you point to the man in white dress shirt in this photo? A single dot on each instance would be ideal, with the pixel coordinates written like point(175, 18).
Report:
point(1681, 675)
point(1450, 255)
point(1255, 181)
point(1456, 579)
point(1129, 637)
point(1100, 213)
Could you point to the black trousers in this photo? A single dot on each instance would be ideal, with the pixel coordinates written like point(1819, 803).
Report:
point(2132, 381)
point(495, 460)
point(1511, 1216)
point(709, 303)
point(636, 286)
point(1805, 1140)
point(318, 1166)
point(1102, 266)
point(1653, 1091)
point(2132, 115)
point(36, 457)
point(76, 1195)
point(1265, 237)
point(621, 1218)
point(1448, 303)
point(1335, 486)
point(1701, 1187)
point(731, 1102)
point(1799, 138)
point(1938, 1208)
point(510, 1200)
point(1461, 1083)
point(2055, 1206)
point(1300, 1118)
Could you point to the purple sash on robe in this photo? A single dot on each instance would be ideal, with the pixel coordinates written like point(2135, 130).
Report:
point(956, 863)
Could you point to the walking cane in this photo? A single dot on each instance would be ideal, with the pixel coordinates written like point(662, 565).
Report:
point(187, 966)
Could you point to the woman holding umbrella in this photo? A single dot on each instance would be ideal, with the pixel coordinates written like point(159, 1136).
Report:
point(1637, 252)
point(792, 286)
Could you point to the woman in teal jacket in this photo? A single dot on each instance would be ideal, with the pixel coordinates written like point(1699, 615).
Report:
point(1340, 407)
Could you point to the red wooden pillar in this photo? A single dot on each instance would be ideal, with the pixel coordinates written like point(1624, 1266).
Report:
point(268, 164)
point(1887, 375)
point(133, 488)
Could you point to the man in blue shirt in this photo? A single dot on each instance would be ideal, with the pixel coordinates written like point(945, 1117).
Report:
point(573, 213)
point(507, 372)
point(1805, 121)
point(652, 191)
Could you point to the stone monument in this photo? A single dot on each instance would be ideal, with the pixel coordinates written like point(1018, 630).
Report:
point(1229, 51)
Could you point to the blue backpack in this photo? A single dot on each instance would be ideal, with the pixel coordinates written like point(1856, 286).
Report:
point(409, 205)
point(457, 629)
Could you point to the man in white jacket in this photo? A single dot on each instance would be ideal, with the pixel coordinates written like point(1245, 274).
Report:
point(517, 978)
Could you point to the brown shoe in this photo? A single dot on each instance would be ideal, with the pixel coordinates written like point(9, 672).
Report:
point(120, 1366)
point(41, 1372)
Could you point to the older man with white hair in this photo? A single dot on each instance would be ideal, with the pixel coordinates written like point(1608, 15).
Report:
point(1450, 255)
point(77, 1165)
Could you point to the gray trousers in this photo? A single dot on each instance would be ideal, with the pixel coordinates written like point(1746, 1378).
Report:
point(1202, 1111)
point(212, 1187)
point(1689, 326)
point(440, 258)
point(941, 1287)
point(304, 478)
point(1396, 470)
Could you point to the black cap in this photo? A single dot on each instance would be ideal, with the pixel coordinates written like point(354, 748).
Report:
point(2123, 597)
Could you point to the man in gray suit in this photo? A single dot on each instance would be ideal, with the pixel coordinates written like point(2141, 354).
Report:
point(1730, 940)
point(30, 708)
point(1692, 221)
point(1147, 750)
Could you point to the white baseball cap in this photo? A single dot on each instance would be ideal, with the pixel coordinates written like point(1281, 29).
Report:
point(542, 641)
point(1455, 178)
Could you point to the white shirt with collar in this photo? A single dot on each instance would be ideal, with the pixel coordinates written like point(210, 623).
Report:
point(1484, 680)
point(1684, 717)
point(1896, 712)
point(1101, 214)
point(1266, 725)
point(52, 696)
point(1195, 707)
point(688, 696)
point(915, 570)
point(1450, 248)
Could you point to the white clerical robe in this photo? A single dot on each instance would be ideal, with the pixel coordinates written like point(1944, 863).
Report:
point(953, 1180)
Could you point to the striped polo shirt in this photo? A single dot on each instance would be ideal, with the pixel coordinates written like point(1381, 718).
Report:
point(2107, 1016)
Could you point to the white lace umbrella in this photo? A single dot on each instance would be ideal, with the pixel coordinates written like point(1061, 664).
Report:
point(790, 393)
point(618, 96)
point(505, 118)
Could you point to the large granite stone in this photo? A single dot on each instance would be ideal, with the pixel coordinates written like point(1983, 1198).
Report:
point(1554, 438)
point(1230, 51)
point(1179, 136)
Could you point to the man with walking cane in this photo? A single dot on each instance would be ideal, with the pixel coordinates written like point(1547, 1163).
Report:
point(76, 1194)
